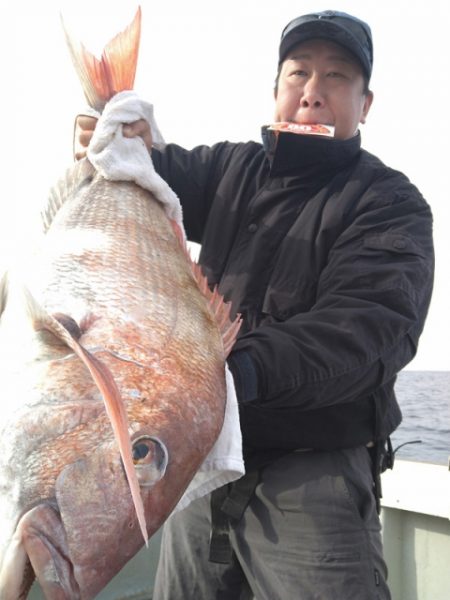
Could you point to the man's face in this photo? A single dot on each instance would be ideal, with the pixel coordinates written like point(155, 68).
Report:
point(320, 82)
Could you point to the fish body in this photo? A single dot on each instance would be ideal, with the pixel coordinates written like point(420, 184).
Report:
point(114, 389)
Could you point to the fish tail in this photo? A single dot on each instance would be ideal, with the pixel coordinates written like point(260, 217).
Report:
point(221, 310)
point(115, 71)
point(104, 381)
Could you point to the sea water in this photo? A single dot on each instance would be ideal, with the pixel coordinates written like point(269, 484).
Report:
point(424, 398)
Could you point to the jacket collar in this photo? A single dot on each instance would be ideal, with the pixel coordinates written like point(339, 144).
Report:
point(307, 155)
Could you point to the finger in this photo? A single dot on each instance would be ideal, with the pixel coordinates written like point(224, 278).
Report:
point(84, 138)
point(83, 131)
point(80, 143)
point(86, 123)
point(80, 154)
point(136, 128)
point(139, 128)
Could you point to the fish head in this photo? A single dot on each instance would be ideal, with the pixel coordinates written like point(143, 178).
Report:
point(78, 539)
point(92, 530)
point(65, 505)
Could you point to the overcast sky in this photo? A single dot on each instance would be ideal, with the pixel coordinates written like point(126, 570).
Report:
point(208, 67)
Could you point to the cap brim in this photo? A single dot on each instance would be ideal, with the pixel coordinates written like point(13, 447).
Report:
point(328, 31)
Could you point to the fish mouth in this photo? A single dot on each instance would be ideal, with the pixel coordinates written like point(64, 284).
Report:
point(39, 542)
point(77, 540)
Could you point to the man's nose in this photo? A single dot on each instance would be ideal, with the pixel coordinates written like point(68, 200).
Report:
point(312, 94)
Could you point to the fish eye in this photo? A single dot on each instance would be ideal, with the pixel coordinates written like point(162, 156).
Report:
point(140, 451)
point(150, 459)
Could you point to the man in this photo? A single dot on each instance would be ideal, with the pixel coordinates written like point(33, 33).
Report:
point(328, 255)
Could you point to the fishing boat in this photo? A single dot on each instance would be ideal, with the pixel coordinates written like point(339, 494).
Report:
point(415, 518)
point(416, 530)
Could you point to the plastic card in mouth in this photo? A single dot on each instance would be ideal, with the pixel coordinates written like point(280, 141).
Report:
point(304, 128)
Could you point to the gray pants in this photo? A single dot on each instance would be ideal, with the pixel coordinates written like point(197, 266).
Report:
point(310, 532)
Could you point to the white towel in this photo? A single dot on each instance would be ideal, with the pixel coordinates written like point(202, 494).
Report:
point(118, 158)
point(224, 463)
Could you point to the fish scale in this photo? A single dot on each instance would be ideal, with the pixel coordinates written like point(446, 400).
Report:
point(156, 335)
point(110, 341)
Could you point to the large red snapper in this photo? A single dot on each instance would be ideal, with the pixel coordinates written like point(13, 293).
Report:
point(118, 318)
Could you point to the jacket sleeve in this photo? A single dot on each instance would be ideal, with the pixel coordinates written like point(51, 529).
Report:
point(371, 303)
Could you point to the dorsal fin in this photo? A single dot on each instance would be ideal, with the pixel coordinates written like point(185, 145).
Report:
point(116, 69)
point(80, 174)
point(229, 328)
point(104, 381)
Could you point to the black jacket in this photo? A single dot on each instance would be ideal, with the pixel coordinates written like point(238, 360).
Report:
point(328, 255)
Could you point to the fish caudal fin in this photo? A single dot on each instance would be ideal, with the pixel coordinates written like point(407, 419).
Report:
point(228, 327)
point(104, 381)
point(115, 70)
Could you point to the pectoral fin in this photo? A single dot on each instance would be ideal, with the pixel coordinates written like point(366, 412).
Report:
point(104, 381)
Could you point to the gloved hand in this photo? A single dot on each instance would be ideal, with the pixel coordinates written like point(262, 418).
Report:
point(245, 376)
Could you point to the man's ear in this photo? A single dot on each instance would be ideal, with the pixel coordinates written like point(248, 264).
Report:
point(366, 106)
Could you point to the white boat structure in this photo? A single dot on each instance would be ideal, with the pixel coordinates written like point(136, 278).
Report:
point(416, 532)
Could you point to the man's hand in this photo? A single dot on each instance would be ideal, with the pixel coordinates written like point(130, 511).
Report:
point(140, 128)
point(85, 126)
point(84, 129)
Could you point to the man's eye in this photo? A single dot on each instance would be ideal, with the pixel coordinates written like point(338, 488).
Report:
point(336, 74)
point(299, 73)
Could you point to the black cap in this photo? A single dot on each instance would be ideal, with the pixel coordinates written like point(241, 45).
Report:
point(339, 27)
